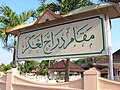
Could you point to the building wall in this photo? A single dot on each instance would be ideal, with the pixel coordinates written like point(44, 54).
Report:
point(90, 81)
point(105, 84)
point(2, 85)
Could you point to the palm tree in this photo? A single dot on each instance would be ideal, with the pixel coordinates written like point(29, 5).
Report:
point(9, 19)
point(40, 10)
point(63, 6)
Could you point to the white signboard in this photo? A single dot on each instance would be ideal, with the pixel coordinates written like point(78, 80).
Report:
point(79, 38)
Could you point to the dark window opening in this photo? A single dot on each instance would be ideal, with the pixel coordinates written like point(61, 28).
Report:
point(47, 20)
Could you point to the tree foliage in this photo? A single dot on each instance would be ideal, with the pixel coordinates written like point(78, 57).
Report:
point(29, 65)
point(64, 6)
point(9, 19)
point(7, 67)
point(4, 67)
point(88, 60)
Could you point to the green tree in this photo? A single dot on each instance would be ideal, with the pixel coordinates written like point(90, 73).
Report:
point(42, 72)
point(7, 67)
point(9, 19)
point(64, 6)
point(88, 60)
point(39, 10)
point(2, 67)
point(29, 65)
point(44, 66)
point(20, 67)
point(82, 61)
point(47, 63)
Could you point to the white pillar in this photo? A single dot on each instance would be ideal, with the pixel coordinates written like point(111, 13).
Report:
point(110, 57)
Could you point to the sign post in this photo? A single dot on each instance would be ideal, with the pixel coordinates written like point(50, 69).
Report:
point(67, 71)
point(110, 57)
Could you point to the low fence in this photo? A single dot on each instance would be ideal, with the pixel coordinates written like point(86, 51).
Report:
point(91, 81)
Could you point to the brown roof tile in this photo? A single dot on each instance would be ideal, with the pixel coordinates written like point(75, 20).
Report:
point(60, 66)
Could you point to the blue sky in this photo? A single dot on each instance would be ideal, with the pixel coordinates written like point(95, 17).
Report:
point(24, 5)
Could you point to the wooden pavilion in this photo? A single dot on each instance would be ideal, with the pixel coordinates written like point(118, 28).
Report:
point(61, 67)
point(58, 70)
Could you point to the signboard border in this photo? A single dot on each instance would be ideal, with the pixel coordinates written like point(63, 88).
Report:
point(55, 56)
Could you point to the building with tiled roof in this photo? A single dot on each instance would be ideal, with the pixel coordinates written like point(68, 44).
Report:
point(61, 67)
point(116, 59)
point(116, 63)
